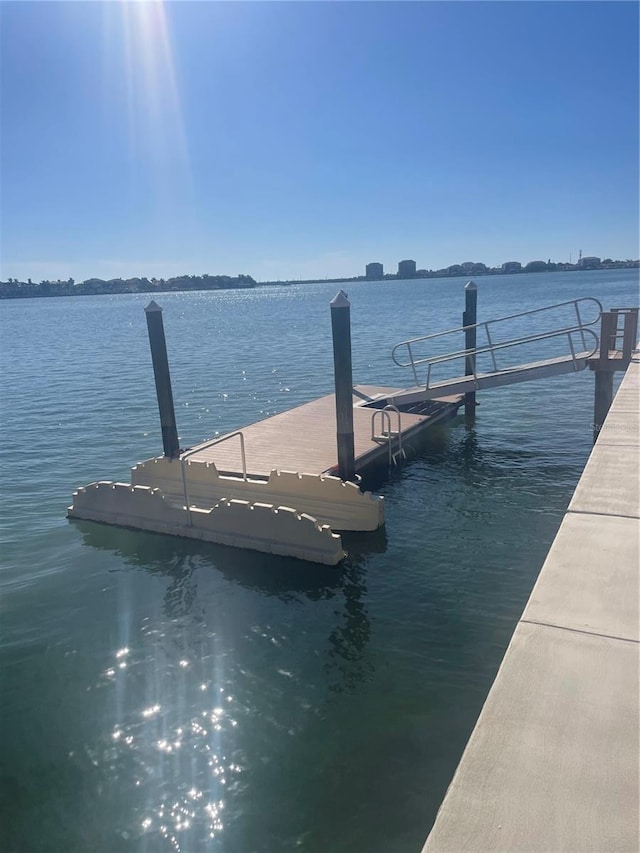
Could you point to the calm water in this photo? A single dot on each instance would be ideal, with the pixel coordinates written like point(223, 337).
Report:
point(161, 695)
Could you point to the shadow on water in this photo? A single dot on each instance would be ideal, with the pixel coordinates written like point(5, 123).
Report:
point(435, 442)
point(440, 445)
point(347, 664)
point(460, 446)
point(455, 447)
point(286, 578)
point(176, 558)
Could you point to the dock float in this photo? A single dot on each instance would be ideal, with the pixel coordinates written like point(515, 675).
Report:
point(552, 765)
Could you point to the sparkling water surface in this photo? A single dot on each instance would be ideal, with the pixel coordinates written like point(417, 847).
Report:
point(160, 694)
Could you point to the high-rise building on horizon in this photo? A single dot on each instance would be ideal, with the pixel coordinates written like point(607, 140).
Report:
point(588, 262)
point(406, 269)
point(374, 271)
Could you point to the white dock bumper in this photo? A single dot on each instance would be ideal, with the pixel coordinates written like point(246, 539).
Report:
point(328, 499)
point(255, 525)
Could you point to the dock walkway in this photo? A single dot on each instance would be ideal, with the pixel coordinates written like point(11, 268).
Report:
point(304, 438)
point(553, 762)
point(542, 369)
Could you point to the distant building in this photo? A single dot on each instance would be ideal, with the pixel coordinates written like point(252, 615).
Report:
point(468, 266)
point(588, 263)
point(511, 266)
point(374, 271)
point(406, 269)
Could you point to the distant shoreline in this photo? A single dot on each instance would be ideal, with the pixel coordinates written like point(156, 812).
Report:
point(624, 265)
point(98, 287)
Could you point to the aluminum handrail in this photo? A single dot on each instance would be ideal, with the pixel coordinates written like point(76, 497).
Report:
point(400, 451)
point(385, 417)
point(507, 344)
point(581, 325)
point(184, 456)
point(503, 345)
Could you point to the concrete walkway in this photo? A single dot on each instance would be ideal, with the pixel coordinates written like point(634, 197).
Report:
point(553, 762)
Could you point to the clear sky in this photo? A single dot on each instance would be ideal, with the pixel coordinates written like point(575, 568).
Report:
point(304, 139)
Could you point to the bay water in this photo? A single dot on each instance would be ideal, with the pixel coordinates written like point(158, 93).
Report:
point(164, 695)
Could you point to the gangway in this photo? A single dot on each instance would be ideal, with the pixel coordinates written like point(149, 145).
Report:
point(579, 344)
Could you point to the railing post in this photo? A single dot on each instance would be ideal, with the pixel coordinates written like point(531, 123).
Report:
point(162, 377)
point(604, 372)
point(470, 318)
point(630, 334)
point(341, 333)
point(187, 502)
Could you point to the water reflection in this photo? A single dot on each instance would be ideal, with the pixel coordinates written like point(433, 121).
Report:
point(171, 747)
point(177, 558)
point(483, 458)
point(348, 640)
point(206, 691)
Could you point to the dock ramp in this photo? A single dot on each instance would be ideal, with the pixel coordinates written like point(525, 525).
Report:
point(506, 356)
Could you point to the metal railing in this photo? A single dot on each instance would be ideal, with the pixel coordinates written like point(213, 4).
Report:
point(388, 434)
point(184, 456)
point(490, 349)
point(531, 339)
point(627, 334)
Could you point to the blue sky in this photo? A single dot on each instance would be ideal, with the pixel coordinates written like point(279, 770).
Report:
point(303, 139)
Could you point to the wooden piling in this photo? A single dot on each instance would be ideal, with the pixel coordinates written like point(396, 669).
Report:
point(469, 319)
point(162, 378)
point(341, 333)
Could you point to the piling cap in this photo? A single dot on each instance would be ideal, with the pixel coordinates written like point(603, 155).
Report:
point(340, 300)
point(471, 285)
point(153, 306)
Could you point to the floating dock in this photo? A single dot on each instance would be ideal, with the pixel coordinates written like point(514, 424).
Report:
point(290, 483)
point(271, 486)
point(552, 765)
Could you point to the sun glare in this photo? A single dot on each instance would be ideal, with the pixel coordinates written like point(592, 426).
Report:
point(143, 68)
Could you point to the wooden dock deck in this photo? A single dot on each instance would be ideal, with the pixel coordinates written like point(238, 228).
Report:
point(304, 438)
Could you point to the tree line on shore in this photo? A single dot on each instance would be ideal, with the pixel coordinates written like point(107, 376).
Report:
point(13, 288)
point(94, 286)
